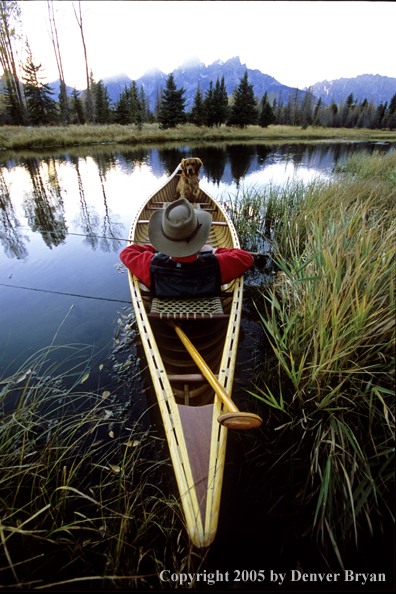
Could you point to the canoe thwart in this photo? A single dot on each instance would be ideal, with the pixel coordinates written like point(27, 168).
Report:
point(187, 378)
point(189, 309)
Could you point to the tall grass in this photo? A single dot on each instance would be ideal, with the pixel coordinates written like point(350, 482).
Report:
point(18, 137)
point(79, 494)
point(330, 317)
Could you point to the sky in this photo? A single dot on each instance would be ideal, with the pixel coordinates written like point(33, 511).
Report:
point(298, 43)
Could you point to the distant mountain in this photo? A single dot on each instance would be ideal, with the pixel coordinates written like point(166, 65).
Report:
point(194, 72)
point(366, 86)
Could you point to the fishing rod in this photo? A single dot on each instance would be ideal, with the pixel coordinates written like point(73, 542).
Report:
point(67, 294)
point(253, 254)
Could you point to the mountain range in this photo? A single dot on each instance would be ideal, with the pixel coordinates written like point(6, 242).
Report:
point(193, 72)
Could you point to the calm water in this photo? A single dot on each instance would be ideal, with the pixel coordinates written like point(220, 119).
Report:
point(63, 218)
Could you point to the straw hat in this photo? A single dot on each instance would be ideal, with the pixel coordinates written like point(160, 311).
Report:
point(177, 230)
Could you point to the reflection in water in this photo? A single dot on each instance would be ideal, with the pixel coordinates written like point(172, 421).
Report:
point(89, 220)
point(44, 208)
point(10, 234)
point(110, 229)
point(224, 163)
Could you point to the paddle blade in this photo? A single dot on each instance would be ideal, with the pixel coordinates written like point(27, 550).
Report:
point(239, 420)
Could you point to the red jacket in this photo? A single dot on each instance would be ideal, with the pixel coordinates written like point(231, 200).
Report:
point(233, 262)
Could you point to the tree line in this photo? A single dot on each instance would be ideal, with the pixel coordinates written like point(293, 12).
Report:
point(30, 101)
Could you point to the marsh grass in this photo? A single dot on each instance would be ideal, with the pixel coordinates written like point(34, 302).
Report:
point(80, 494)
point(330, 317)
point(18, 137)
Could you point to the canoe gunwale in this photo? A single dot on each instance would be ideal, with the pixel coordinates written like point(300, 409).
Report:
point(201, 518)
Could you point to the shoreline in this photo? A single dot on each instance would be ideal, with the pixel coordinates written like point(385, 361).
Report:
point(18, 138)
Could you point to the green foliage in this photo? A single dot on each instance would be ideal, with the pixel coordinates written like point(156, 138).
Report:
point(216, 104)
point(267, 115)
point(198, 112)
point(102, 104)
point(78, 500)
point(329, 316)
point(132, 107)
point(40, 106)
point(244, 108)
point(77, 109)
point(172, 106)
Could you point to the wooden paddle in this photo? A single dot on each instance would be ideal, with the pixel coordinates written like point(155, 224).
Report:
point(234, 419)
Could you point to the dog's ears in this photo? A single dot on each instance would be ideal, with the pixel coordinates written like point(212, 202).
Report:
point(199, 163)
point(182, 164)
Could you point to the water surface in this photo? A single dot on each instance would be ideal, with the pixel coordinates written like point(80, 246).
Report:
point(63, 220)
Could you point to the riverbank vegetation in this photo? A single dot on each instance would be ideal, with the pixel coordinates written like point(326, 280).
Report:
point(80, 496)
point(19, 137)
point(329, 314)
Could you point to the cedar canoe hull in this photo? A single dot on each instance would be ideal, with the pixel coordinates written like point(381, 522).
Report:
point(189, 407)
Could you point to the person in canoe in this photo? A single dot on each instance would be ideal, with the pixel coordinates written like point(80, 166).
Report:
point(178, 263)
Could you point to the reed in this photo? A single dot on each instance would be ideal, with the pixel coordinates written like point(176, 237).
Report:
point(18, 137)
point(329, 315)
point(79, 494)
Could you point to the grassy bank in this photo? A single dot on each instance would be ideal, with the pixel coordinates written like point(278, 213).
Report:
point(13, 138)
point(80, 505)
point(329, 314)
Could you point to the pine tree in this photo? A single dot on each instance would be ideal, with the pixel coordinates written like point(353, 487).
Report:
point(209, 105)
point(390, 116)
point(244, 109)
point(41, 108)
point(102, 103)
point(220, 102)
point(172, 107)
point(133, 101)
point(77, 108)
point(267, 115)
point(197, 115)
point(306, 112)
point(121, 111)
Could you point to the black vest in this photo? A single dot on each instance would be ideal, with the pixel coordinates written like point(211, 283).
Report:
point(201, 278)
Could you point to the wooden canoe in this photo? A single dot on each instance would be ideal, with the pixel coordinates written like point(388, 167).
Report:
point(189, 407)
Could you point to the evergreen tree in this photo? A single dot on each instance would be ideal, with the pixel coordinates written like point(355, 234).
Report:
point(267, 115)
point(220, 102)
point(41, 108)
point(390, 117)
point(77, 108)
point(121, 111)
point(244, 109)
point(209, 105)
point(144, 111)
point(63, 104)
point(379, 115)
point(306, 117)
point(102, 103)
point(316, 117)
point(133, 102)
point(197, 115)
point(172, 107)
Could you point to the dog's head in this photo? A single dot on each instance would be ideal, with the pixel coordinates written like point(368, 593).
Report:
point(191, 166)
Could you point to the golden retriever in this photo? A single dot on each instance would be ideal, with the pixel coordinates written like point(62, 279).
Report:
point(188, 186)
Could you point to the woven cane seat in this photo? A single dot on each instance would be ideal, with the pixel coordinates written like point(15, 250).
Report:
point(187, 309)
